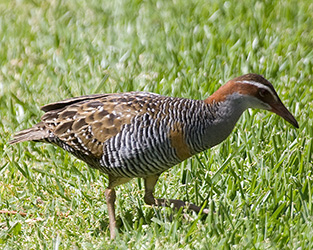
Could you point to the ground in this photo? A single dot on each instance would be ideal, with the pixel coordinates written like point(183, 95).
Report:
point(257, 184)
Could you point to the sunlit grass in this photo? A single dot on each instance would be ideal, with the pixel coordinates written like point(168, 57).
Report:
point(257, 184)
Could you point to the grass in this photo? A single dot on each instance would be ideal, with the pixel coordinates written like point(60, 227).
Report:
point(257, 184)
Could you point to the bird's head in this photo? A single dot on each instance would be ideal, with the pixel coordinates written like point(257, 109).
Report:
point(253, 91)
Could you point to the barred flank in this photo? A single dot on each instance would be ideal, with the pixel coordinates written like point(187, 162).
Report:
point(125, 135)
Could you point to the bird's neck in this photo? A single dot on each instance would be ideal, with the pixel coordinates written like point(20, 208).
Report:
point(226, 114)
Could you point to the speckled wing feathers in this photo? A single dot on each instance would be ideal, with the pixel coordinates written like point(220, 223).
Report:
point(64, 103)
point(86, 123)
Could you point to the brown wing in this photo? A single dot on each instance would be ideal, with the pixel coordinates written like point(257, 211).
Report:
point(85, 123)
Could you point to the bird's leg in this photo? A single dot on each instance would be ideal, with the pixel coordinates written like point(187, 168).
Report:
point(150, 200)
point(110, 199)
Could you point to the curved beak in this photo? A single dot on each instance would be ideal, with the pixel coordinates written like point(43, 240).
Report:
point(279, 108)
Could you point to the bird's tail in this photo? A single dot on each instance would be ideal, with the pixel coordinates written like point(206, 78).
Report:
point(37, 133)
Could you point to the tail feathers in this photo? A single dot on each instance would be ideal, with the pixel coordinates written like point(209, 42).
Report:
point(36, 133)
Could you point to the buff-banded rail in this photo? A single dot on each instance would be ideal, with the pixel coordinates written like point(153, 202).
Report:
point(141, 135)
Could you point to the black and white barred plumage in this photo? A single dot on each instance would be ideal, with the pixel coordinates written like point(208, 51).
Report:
point(139, 131)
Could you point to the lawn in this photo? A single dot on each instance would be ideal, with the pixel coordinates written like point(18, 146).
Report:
point(258, 184)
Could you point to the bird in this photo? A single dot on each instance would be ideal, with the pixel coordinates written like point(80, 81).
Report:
point(141, 134)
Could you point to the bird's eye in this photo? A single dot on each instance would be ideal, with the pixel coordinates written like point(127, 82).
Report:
point(262, 92)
